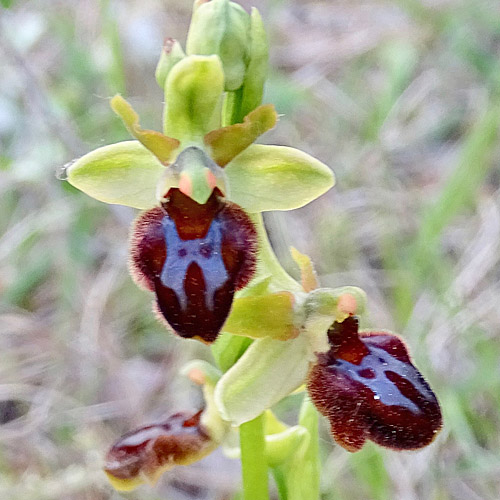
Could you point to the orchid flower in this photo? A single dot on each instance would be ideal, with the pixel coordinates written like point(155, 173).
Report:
point(200, 247)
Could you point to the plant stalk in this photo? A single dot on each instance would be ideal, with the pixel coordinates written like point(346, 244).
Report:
point(253, 460)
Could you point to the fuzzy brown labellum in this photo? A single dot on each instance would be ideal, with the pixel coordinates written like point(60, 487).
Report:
point(146, 452)
point(368, 388)
point(194, 257)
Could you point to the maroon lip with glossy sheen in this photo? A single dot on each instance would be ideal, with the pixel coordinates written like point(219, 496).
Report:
point(194, 257)
point(178, 440)
point(368, 388)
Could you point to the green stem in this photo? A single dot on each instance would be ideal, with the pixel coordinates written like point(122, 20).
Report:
point(253, 460)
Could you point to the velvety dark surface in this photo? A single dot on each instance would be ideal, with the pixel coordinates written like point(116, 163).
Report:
point(368, 388)
point(194, 257)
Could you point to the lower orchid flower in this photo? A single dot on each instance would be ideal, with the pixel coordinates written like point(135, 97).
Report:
point(364, 382)
point(144, 454)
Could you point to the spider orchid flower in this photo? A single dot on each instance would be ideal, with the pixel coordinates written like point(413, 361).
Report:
point(201, 185)
point(364, 382)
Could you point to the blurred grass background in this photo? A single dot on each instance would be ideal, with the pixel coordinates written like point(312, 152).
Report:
point(401, 98)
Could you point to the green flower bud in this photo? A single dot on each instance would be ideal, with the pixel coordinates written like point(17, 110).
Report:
point(221, 27)
point(224, 28)
point(171, 54)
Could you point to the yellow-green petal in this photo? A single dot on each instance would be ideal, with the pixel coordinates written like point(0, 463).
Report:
point(268, 371)
point(265, 178)
point(125, 173)
point(227, 142)
point(308, 277)
point(160, 145)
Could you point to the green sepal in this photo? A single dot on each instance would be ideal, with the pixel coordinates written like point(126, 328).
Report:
point(280, 446)
point(193, 95)
point(125, 173)
point(268, 371)
point(265, 178)
point(160, 145)
point(256, 74)
point(227, 142)
point(171, 54)
point(270, 315)
point(221, 27)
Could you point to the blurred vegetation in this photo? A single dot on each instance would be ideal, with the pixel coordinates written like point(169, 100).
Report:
point(401, 98)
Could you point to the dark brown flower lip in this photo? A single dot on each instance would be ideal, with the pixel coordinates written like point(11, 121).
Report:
point(193, 257)
point(144, 453)
point(368, 388)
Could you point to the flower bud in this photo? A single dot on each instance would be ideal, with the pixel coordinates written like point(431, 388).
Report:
point(256, 74)
point(171, 54)
point(194, 257)
point(368, 388)
point(143, 454)
point(223, 28)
